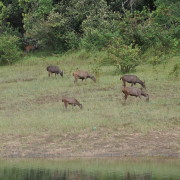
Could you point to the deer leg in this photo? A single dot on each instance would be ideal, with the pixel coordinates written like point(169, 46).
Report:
point(131, 84)
point(124, 83)
point(75, 80)
point(49, 74)
point(65, 104)
point(125, 96)
point(147, 98)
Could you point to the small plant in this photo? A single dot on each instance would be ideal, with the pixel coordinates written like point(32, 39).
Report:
point(124, 57)
point(176, 70)
point(96, 71)
point(95, 67)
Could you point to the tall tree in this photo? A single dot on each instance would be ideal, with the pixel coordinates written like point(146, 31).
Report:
point(11, 15)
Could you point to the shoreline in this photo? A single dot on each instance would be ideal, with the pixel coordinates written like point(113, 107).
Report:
point(92, 156)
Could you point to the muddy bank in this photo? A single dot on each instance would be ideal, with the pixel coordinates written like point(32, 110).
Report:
point(100, 143)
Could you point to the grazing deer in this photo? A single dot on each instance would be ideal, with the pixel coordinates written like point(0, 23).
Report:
point(54, 69)
point(132, 79)
point(133, 91)
point(30, 48)
point(82, 75)
point(71, 101)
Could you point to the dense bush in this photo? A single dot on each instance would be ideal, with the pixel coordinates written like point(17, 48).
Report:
point(96, 40)
point(9, 49)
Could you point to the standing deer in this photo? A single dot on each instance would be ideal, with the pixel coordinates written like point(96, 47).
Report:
point(132, 79)
point(82, 75)
point(71, 101)
point(55, 70)
point(133, 91)
point(30, 48)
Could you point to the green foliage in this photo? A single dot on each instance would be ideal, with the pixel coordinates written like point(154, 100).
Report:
point(96, 40)
point(167, 17)
point(97, 27)
point(124, 57)
point(48, 32)
point(72, 40)
point(56, 31)
point(133, 28)
point(156, 42)
point(39, 8)
point(11, 15)
point(149, 36)
point(65, 25)
point(9, 51)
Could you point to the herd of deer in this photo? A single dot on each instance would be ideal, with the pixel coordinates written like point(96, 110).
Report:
point(128, 91)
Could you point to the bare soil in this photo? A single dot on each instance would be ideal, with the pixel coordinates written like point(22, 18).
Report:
point(99, 142)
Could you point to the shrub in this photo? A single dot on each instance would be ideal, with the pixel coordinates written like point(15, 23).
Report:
point(124, 57)
point(175, 71)
point(9, 50)
point(72, 40)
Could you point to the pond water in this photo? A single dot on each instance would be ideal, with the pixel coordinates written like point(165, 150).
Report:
point(90, 169)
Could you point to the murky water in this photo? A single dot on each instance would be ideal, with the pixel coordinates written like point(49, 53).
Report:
point(90, 169)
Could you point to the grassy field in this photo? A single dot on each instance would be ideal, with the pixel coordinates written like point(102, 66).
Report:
point(33, 120)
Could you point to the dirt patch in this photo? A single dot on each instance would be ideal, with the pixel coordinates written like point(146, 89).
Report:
point(101, 142)
point(18, 80)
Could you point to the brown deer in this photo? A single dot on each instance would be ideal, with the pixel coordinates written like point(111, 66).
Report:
point(71, 101)
point(55, 70)
point(30, 48)
point(133, 91)
point(132, 79)
point(82, 75)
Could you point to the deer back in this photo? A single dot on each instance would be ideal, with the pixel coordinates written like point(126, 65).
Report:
point(30, 48)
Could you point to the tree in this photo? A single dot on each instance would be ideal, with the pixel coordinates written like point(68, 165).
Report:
point(11, 15)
